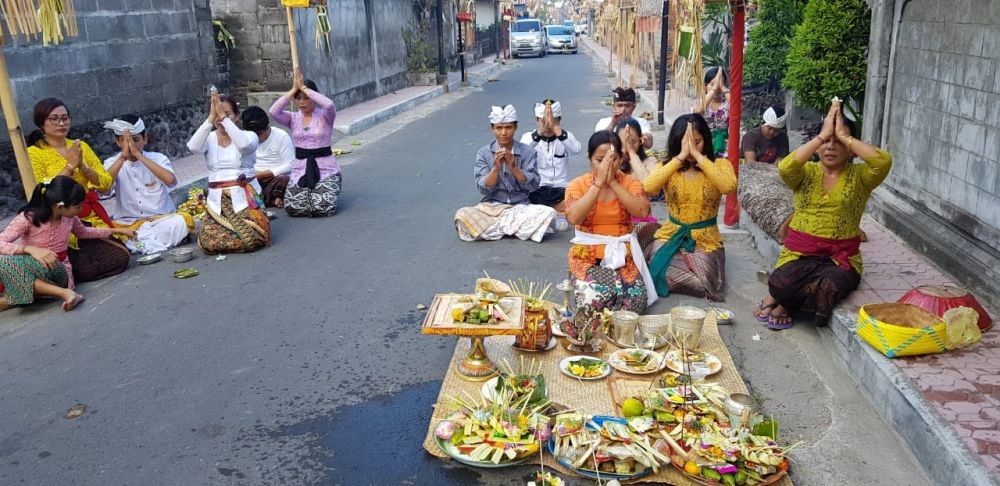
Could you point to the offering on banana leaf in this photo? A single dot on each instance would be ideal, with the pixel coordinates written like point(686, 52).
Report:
point(730, 456)
point(611, 447)
point(505, 431)
point(486, 309)
point(546, 479)
point(532, 386)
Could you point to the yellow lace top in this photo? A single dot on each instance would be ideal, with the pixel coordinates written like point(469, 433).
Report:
point(693, 196)
point(47, 162)
point(835, 214)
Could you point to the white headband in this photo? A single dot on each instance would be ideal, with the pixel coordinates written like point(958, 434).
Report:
point(540, 109)
point(119, 126)
point(506, 114)
point(772, 119)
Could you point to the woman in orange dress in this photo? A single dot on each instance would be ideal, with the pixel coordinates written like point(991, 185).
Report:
point(605, 259)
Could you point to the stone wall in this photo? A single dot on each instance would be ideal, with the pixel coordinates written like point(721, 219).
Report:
point(151, 57)
point(943, 129)
point(368, 57)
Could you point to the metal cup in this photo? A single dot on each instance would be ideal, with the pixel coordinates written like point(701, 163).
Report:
point(623, 326)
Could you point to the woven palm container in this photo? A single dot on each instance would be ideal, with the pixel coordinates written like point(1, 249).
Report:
point(901, 329)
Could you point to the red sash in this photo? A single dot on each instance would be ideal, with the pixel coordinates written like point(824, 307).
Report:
point(92, 205)
point(839, 250)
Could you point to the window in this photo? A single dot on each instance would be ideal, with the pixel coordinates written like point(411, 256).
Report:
point(526, 26)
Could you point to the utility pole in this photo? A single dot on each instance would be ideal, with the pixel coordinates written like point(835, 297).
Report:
point(442, 68)
point(662, 87)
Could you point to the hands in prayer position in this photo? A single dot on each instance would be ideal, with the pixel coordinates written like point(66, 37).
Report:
point(549, 122)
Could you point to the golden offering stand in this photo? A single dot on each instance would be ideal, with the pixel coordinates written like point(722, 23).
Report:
point(477, 365)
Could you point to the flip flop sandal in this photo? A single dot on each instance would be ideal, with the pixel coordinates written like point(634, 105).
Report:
point(774, 325)
point(761, 308)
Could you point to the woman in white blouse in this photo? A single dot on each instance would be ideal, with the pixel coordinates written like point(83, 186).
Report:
point(234, 220)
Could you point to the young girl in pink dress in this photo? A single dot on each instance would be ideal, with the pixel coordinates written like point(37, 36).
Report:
point(33, 259)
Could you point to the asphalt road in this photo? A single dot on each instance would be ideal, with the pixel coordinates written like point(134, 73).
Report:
point(303, 363)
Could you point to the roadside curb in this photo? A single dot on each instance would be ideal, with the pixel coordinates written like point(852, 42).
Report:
point(937, 447)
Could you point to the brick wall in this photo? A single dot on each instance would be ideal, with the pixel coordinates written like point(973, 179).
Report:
point(945, 113)
point(151, 57)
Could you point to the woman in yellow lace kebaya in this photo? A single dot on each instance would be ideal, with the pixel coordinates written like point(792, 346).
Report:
point(820, 262)
point(687, 256)
point(53, 154)
point(602, 203)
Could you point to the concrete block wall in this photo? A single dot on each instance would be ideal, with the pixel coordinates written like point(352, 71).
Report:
point(151, 57)
point(367, 57)
point(933, 100)
point(945, 113)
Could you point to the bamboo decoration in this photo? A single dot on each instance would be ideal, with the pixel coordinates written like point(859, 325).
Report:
point(322, 25)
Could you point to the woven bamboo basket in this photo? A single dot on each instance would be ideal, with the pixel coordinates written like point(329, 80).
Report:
point(687, 323)
point(901, 329)
point(654, 325)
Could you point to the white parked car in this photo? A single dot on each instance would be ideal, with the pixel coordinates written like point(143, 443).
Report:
point(561, 39)
point(527, 38)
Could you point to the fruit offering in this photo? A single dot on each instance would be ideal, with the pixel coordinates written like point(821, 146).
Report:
point(546, 479)
point(587, 368)
point(502, 431)
point(611, 446)
point(486, 310)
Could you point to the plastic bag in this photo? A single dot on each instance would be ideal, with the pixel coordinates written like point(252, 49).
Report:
point(961, 327)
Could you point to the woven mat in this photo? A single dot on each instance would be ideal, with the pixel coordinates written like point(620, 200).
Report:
point(589, 397)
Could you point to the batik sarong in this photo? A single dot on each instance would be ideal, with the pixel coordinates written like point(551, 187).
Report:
point(19, 272)
point(98, 258)
point(319, 201)
point(696, 273)
point(812, 284)
point(232, 232)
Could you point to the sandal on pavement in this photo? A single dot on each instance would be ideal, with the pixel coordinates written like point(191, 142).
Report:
point(761, 308)
point(779, 323)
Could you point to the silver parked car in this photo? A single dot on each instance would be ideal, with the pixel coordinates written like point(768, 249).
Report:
point(527, 38)
point(561, 39)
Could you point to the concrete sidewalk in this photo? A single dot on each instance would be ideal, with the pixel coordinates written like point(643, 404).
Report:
point(945, 406)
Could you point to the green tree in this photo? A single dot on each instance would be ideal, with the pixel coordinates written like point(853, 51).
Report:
point(829, 53)
point(765, 58)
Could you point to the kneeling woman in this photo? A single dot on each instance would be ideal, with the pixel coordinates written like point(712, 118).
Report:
point(687, 254)
point(820, 262)
point(40, 265)
point(605, 259)
point(53, 154)
point(314, 185)
point(234, 219)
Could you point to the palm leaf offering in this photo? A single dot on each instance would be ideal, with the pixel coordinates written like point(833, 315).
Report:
point(53, 19)
point(534, 293)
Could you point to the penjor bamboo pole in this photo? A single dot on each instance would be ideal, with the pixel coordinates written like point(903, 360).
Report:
point(14, 129)
point(292, 42)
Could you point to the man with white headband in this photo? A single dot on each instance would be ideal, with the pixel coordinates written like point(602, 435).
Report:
point(554, 147)
point(142, 183)
point(506, 172)
point(768, 142)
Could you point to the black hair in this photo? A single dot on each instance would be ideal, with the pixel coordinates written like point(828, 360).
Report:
point(851, 125)
point(711, 72)
point(778, 111)
point(41, 113)
point(634, 124)
point(308, 84)
point(235, 105)
point(61, 189)
point(607, 136)
point(255, 119)
point(676, 136)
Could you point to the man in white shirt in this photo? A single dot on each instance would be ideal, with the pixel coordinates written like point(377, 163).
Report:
point(554, 146)
point(623, 104)
point(142, 190)
point(275, 155)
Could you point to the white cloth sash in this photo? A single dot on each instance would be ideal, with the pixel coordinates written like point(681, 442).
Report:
point(615, 253)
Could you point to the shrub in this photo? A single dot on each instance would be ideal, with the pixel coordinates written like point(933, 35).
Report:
point(765, 58)
point(828, 55)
